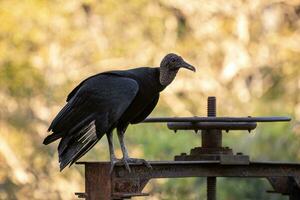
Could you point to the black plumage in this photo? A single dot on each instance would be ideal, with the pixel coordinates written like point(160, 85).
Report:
point(107, 101)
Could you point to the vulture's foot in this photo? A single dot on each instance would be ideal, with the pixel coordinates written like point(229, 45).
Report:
point(125, 161)
point(128, 161)
point(113, 163)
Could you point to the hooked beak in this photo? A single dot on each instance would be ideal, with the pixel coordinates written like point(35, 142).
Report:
point(187, 66)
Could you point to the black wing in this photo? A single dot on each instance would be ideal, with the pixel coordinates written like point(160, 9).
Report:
point(149, 108)
point(74, 91)
point(91, 112)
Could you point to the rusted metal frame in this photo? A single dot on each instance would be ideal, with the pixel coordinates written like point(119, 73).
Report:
point(126, 188)
point(286, 186)
point(122, 184)
point(170, 169)
point(279, 184)
point(98, 182)
point(217, 119)
point(294, 188)
point(210, 169)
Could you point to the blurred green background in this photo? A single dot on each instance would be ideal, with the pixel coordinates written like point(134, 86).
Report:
point(247, 54)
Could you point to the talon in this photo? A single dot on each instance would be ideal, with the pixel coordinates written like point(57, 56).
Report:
point(113, 163)
point(126, 165)
point(147, 164)
point(138, 161)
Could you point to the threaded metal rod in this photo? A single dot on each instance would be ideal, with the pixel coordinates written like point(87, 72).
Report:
point(211, 138)
point(211, 107)
point(211, 181)
point(211, 188)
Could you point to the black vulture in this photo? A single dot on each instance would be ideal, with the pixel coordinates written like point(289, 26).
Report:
point(106, 101)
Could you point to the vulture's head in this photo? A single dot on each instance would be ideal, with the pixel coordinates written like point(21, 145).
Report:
point(169, 67)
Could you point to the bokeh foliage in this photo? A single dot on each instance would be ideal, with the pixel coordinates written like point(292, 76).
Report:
point(247, 54)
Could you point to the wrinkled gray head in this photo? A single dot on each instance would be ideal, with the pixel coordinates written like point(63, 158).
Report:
point(169, 67)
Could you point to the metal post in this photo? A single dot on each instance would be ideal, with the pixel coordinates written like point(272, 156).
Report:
point(211, 138)
point(98, 184)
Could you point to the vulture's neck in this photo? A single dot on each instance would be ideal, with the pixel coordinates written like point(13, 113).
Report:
point(166, 76)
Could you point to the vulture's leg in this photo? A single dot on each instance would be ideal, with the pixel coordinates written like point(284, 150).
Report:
point(113, 159)
point(126, 158)
point(123, 148)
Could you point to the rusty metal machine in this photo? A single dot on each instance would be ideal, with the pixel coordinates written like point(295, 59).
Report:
point(210, 160)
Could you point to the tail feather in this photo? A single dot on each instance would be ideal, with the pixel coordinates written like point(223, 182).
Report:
point(83, 151)
point(77, 130)
point(73, 148)
point(62, 114)
point(80, 129)
point(67, 121)
point(57, 134)
point(52, 138)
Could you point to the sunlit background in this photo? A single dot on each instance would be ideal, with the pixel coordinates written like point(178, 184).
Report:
point(247, 54)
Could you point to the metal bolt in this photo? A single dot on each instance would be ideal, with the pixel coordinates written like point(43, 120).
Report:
point(211, 107)
point(121, 173)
